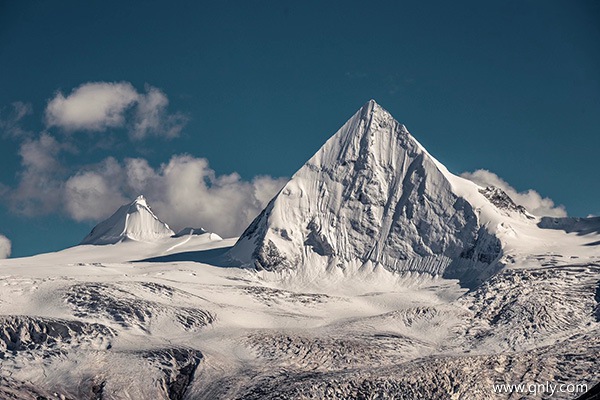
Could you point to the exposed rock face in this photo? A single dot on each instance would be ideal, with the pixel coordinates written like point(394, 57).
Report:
point(370, 194)
point(24, 333)
point(502, 201)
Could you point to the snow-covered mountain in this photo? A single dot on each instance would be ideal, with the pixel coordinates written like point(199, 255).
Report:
point(133, 221)
point(372, 196)
point(347, 292)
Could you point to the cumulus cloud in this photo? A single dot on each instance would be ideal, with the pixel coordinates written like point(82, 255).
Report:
point(183, 192)
point(5, 247)
point(92, 106)
point(39, 188)
point(98, 106)
point(225, 204)
point(94, 194)
point(530, 199)
point(151, 117)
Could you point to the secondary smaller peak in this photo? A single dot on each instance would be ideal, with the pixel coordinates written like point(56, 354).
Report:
point(134, 221)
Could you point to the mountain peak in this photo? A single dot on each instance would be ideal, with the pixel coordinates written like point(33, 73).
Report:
point(133, 221)
point(370, 195)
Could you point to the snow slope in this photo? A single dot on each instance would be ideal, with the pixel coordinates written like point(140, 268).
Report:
point(134, 221)
point(114, 329)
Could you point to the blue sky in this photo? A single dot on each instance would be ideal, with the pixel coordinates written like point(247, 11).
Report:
point(210, 105)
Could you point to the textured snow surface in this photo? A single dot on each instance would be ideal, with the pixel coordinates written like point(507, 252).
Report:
point(89, 329)
point(382, 276)
point(134, 221)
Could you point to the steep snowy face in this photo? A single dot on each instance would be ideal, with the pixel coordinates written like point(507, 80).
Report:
point(373, 195)
point(134, 221)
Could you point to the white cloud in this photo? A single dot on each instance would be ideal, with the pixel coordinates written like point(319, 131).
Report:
point(98, 106)
point(39, 188)
point(93, 106)
point(190, 193)
point(183, 192)
point(151, 117)
point(139, 174)
point(530, 199)
point(40, 154)
point(94, 194)
point(5, 247)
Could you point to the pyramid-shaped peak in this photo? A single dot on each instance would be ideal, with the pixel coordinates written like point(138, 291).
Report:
point(133, 221)
point(370, 195)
